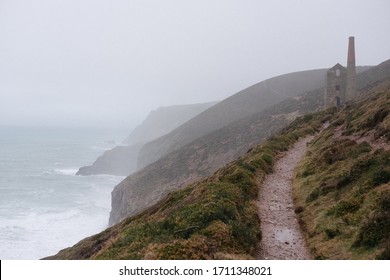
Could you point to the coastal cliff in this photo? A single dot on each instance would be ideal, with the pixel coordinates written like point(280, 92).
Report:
point(243, 104)
point(122, 160)
point(341, 195)
point(204, 144)
point(206, 154)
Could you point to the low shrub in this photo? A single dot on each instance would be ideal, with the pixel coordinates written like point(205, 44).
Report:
point(385, 254)
point(332, 232)
point(380, 177)
point(374, 230)
point(344, 206)
point(313, 195)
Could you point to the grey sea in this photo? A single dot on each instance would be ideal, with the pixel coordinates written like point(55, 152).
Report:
point(44, 206)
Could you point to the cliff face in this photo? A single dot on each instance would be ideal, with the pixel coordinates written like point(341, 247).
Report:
point(195, 156)
point(122, 160)
point(119, 161)
point(205, 155)
point(240, 105)
point(211, 219)
point(163, 120)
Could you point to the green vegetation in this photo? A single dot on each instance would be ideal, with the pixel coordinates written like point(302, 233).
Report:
point(212, 219)
point(341, 190)
point(215, 218)
point(343, 184)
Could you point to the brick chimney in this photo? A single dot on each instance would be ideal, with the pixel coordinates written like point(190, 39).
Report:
point(351, 71)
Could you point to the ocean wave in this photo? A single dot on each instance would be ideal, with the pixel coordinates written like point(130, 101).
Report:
point(45, 173)
point(99, 148)
point(60, 171)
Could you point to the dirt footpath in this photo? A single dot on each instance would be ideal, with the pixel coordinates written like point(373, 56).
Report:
point(282, 238)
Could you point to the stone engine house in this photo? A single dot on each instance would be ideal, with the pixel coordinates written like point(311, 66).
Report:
point(336, 86)
point(341, 81)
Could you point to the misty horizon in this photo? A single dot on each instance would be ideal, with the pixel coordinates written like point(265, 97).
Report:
point(105, 64)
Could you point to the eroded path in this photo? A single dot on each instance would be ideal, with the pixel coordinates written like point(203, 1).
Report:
point(281, 235)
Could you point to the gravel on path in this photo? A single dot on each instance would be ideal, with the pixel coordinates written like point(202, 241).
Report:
point(281, 235)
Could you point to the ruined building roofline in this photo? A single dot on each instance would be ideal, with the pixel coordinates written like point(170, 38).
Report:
point(338, 65)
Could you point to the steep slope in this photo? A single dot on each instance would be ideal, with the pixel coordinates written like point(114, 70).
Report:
point(202, 157)
point(122, 160)
point(212, 219)
point(342, 191)
point(240, 105)
point(206, 154)
point(374, 75)
point(342, 188)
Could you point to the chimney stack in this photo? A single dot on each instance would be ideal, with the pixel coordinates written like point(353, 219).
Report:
point(351, 52)
point(351, 70)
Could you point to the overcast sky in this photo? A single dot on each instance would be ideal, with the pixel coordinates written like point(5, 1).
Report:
point(109, 62)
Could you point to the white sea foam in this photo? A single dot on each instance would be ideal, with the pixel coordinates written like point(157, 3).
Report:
point(44, 230)
point(70, 171)
point(43, 206)
point(59, 171)
point(37, 235)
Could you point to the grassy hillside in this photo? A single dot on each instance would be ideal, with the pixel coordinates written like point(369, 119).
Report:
point(342, 188)
point(212, 219)
point(205, 155)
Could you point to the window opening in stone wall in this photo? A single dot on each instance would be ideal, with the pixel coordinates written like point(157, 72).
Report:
point(337, 72)
point(337, 87)
point(338, 102)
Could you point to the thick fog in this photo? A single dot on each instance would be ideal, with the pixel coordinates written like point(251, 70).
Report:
point(108, 63)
